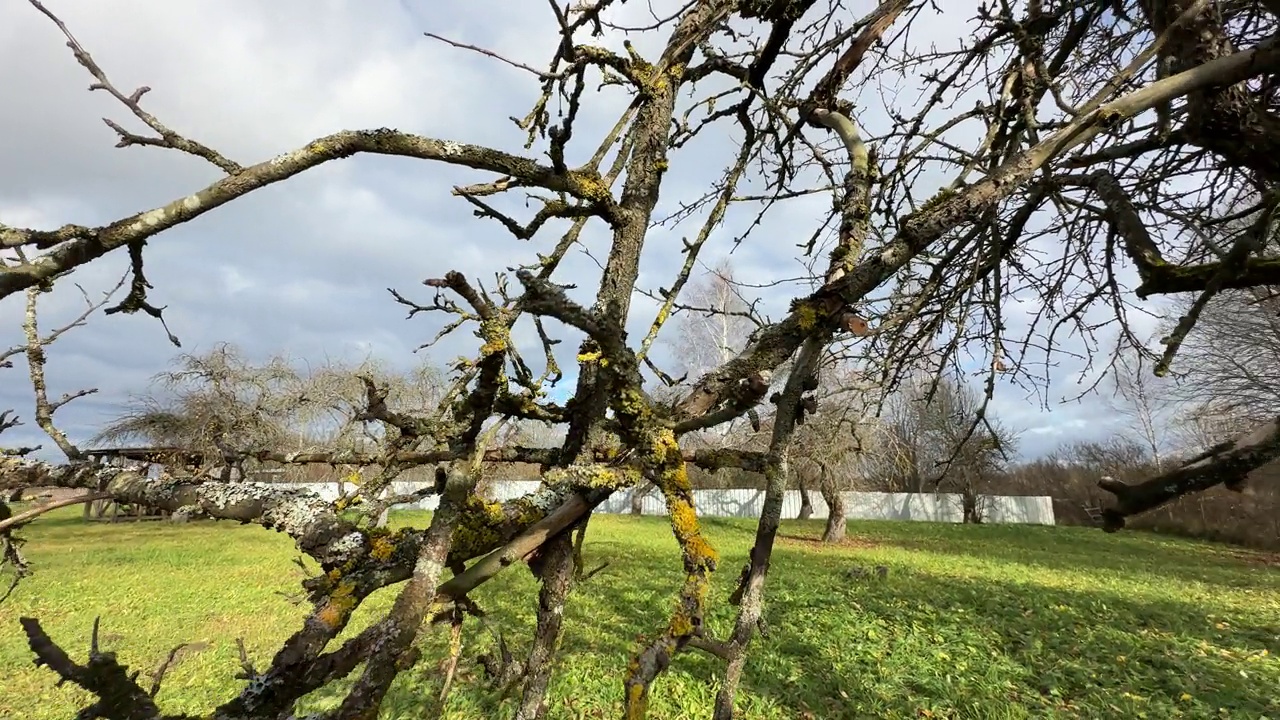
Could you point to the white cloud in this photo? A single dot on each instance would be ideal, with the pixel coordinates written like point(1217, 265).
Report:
point(234, 281)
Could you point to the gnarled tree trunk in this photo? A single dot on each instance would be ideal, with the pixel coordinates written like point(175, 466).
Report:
point(835, 529)
point(806, 503)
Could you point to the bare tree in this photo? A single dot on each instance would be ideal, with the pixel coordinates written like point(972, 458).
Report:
point(213, 403)
point(1231, 364)
point(1070, 475)
point(232, 412)
point(942, 437)
point(1145, 402)
point(1205, 424)
point(831, 444)
point(1088, 120)
point(713, 324)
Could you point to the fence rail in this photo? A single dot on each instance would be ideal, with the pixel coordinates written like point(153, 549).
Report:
point(747, 503)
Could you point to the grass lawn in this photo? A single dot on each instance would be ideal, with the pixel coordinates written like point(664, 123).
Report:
point(971, 621)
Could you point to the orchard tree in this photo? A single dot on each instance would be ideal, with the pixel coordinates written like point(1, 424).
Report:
point(1036, 187)
point(212, 403)
point(833, 443)
point(939, 436)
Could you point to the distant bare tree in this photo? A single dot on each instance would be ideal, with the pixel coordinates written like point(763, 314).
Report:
point(1233, 363)
point(830, 445)
point(939, 436)
point(220, 398)
point(210, 403)
point(714, 322)
point(1121, 458)
point(1145, 401)
point(1206, 424)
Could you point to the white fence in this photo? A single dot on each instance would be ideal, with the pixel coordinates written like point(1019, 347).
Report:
point(745, 503)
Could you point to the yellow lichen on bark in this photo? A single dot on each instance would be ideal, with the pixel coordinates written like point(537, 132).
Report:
point(807, 316)
point(663, 462)
point(588, 184)
point(496, 335)
point(478, 527)
point(700, 558)
point(594, 476)
point(383, 548)
point(337, 608)
point(485, 526)
point(595, 356)
point(637, 702)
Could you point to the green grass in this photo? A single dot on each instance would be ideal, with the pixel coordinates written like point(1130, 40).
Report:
point(974, 622)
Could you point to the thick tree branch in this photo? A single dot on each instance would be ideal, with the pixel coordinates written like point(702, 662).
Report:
point(300, 514)
point(778, 342)
point(1225, 464)
point(73, 245)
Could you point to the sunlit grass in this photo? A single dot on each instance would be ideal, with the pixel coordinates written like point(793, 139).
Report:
point(971, 621)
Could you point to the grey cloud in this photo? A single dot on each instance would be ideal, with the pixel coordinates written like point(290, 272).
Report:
point(301, 267)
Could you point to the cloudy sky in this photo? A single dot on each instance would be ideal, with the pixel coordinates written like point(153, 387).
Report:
point(302, 267)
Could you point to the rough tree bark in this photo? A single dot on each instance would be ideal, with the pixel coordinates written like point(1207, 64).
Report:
point(554, 568)
point(750, 591)
point(806, 502)
point(834, 531)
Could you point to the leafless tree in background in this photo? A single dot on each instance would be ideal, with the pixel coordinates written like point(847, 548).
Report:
point(832, 444)
point(710, 324)
point(1233, 364)
point(220, 405)
point(1145, 401)
point(1229, 370)
point(713, 323)
point(931, 443)
point(210, 403)
point(1062, 182)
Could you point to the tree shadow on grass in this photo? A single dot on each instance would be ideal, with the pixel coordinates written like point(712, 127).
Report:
point(915, 641)
point(1086, 550)
point(1003, 643)
point(869, 647)
point(947, 631)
